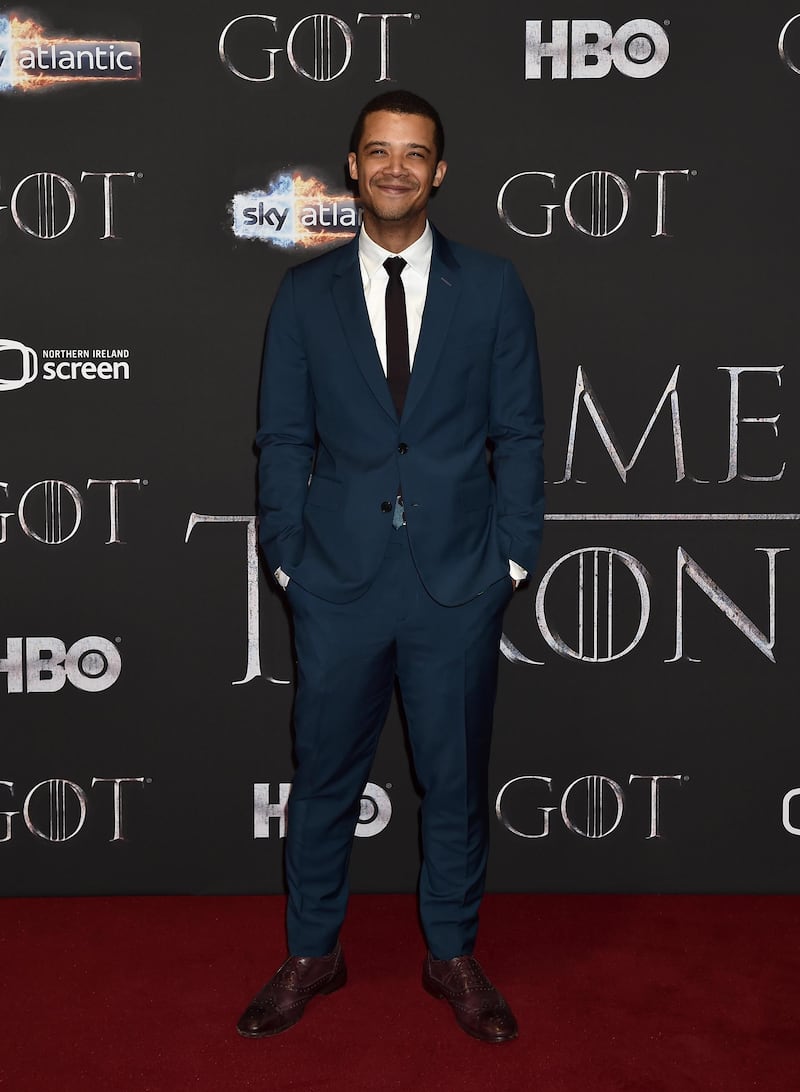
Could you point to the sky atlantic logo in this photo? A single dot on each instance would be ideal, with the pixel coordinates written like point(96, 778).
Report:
point(20, 364)
point(294, 212)
point(31, 59)
point(44, 665)
point(318, 47)
point(588, 49)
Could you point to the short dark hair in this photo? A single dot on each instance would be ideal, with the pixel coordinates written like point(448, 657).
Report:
point(400, 102)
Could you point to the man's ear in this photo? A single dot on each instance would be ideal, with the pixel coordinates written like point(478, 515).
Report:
point(352, 165)
point(439, 173)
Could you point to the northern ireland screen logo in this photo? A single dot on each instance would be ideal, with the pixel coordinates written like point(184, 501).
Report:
point(20, 364)
point(35, 59)
point(294, 212)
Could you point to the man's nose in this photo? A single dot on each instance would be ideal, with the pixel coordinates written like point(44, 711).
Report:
point(396, 164)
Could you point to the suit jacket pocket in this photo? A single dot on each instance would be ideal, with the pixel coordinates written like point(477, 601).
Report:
point(475, 493)
point(325, 493)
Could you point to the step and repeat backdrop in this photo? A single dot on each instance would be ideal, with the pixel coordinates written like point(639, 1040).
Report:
point(161, 167)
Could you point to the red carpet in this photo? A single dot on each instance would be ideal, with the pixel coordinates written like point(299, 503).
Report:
point(612, 993)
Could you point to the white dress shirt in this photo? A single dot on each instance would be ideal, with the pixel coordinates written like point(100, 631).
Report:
point(374, 279)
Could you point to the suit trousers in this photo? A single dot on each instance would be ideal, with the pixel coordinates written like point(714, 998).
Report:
point(348, 656)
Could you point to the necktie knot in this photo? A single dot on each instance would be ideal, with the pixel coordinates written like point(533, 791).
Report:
point(394, 267)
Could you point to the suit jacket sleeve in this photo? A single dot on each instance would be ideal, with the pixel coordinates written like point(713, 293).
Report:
point(516, 426)
point(286, 434)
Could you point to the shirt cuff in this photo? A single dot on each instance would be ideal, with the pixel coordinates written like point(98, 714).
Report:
point(282, 577)
point(517, 572)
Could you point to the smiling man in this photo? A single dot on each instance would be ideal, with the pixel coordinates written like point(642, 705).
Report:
point(390, 365)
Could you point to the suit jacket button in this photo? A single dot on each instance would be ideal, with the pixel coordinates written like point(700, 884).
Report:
point(386, 506)
point(403, 448)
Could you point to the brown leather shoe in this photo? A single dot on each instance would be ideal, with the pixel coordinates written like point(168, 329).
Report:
point(283, 1000)
point(479, 1008)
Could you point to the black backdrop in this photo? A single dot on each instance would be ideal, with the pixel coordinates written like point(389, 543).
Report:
point(145, 738)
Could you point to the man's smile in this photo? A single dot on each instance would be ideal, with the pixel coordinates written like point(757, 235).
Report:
point(394, 187)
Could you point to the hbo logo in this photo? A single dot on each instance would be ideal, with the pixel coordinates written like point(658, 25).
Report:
point(374, 814)
point(42, 665)
point(587, 49)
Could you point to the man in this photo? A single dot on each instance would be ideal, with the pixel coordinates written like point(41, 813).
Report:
point(389, 364)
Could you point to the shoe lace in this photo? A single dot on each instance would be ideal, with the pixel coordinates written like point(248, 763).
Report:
point(467, 974)
point(288, 975)
point(294, 971)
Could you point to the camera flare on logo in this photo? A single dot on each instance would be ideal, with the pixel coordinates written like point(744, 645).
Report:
point(295, 213)
point(32, 60)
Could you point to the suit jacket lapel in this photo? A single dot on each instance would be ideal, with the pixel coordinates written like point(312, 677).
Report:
point(348, 295)
point(444, 289)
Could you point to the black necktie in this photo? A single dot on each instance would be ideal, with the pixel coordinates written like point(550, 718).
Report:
point(397, 364)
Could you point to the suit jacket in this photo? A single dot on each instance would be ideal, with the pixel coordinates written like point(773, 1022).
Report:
point(333, 453)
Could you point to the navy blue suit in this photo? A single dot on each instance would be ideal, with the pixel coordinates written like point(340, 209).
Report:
point(371, 602)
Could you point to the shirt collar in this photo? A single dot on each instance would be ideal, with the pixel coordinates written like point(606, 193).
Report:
point(418, 255)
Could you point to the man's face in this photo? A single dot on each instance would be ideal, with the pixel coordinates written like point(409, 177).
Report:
point(395, 165)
